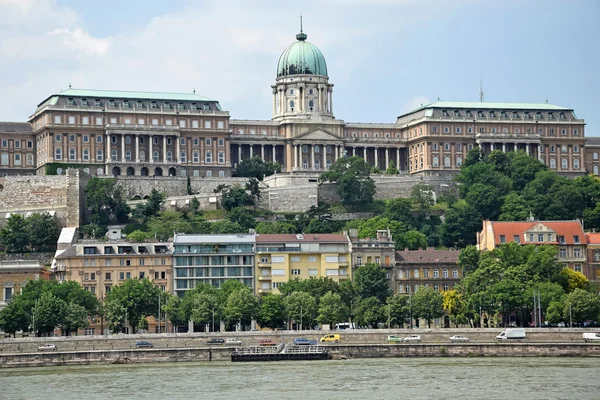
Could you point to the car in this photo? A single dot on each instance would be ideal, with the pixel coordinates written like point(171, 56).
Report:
point(412, 338)
point(143, 343)
point(301, 342)
point(393, 339)
point(335, 338)
point(215, 341)
point(49, 346)
point(561, 325)
point(459, 338)
point(233, 342)
point(267, 342)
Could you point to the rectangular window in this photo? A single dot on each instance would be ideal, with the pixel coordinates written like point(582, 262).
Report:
point(71, 120)
point(220, 125)
point(312, 272)
point(516, 238)
point(295, 258)
point(576, 252)
point(576, 239)
point(312, 258)
point(207, 124)
point(278, 272)
point(425, 273)
point(540, 237)
point(562, 253)
point(295, 272)
point(277, 259)
point(502, 239)
point(331, 272)
point(332, 259)
point(577, 267)
point(85, 120)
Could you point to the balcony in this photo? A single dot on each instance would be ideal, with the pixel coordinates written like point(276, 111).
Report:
point(260, 291)
point(264, 277)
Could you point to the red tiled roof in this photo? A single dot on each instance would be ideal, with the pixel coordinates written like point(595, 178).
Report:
point(428, 255)
point(593, 238)
point(300, 238)
point(509, 229)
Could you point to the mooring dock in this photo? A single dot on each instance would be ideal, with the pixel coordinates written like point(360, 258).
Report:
point(280, 352)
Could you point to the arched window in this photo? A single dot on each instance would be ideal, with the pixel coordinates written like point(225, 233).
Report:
point(292, 105)
point(304, 148)
point(209, 174)
point(444, 273)
point(196, 157)
point(305, 163)
point(72, 153)
point(328, 163)
point(595, 156)
point(128, 155)
point(86, 155)
point(59, 171)
point(221, 142)
point(436, 161)
point(552, 163)
point(415, 273)
point(455, 273)
point(208, 157)
point(113, 139)
point(595, 169)
point(155, 140)
point(183, 172)
point(99, 139)
point(221, 174)
point(564, 163)
point(155, 156)
point(99, 155)
point(458, 161)
point(311, 105)
point(446, 162)
point(317, 148)
point(142, 155)
point(317, 164)
point(208, 142)
point(196, 173)
point(169, 140)
point(436, 273)
point(113, 155)
point(182, 156)
point(169, 156)
point(221, 158)
point(128, 139)
point(182, 141)
point(576, 163)
point(58, 154)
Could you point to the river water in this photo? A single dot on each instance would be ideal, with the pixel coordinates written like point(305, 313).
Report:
point(398, 378)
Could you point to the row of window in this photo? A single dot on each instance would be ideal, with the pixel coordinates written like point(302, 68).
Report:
point(16, 144)
point(17, 159)
point(138, 104)
point(436, 273)
point(100, 171)
point(253, 132)
point(58, 155)
point(408, 288)
point(458, 130)
point(123, 275)
point(128, 140)
point(504, 114)
point(72, 120)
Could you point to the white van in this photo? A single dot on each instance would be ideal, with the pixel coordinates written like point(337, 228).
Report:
point(591, 337)
point(512, 333)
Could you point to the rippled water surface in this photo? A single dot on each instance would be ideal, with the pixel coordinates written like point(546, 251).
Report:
point(399, 378)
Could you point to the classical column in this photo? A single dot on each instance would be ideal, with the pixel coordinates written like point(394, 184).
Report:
point(137, 148)
point(324, 163)
point(376, 157)
point(164, 139)
point(539, 151)
point(262, 152)
point(274, 153)
point(353, 151)
point(527, 148)
point(122, 148)
point(178, 150)
point(336, 153)
point(398, 158)
point(274, 101)
point(387, 157)
point(296, 155)
point(107, 156)
point(150, 151)
point(239, 153)
point(251, 151)
point(312, 156)
point(320, 89)
point(504, 147)
point(492, 146)
point(331, 100)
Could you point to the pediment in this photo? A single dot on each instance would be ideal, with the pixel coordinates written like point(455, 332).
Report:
point(318, 134)
point(539, 228)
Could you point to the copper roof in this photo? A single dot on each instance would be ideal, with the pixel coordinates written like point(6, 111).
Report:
point(301, 238)
point(509, 229)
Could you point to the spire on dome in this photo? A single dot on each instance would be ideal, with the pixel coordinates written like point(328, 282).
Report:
point(301, 36)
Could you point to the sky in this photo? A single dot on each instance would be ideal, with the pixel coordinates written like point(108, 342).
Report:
point(385, 57)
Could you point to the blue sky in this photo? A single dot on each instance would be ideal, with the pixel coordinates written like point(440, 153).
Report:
point(385, 57)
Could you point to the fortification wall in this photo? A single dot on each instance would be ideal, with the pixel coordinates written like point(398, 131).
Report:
point(289, 198)
point(137, 187)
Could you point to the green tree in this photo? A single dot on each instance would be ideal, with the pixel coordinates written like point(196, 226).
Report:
point(256, 168)
point(139, 297)
point(412, 240)
point(427, 304)
point(194, 204)
point(235, 196)
point(42, 232)
point(151, 208)
point(242, 217)
point(241, 307)
point(173, 308)
point(264, 227)
point(139, 236)
point(166, 223)
point(454, 306)
point(75, 317)
point(461, 225)
point(14, 236)
point(399, 309)
point(369, 227)
point(572, 280)
point(105, 200)
point(354, 185)
point(253, 186)
point(474, 156)
point(301, 307)
point(486, 199)
point(369, 312)
point(226, 226)
point(204, 307)
point(582, 306)
point(115, 314)
point(15, 317)
point(468, 259)
point(422, 198)
point(391, 168)
point(73, 292)
point(591, 217)
point(48, 312)
point(370, 280)
point(228, 287)
point(514, 208)
point(93, 231)
point(400, 210)
point(554, 312)
point(331, 309)
point(271, 312)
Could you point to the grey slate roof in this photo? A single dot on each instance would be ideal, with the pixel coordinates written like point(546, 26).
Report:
point(15, 127)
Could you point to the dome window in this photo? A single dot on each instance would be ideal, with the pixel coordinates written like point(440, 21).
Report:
point(291, 91)
point(311, 105)
point(292, 105)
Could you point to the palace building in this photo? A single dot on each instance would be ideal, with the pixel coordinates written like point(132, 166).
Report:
point(184, 134)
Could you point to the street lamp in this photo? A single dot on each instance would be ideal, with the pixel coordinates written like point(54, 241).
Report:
point(301, 317)
point(213, 320)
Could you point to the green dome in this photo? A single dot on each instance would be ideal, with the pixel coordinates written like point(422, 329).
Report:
point(301, 58)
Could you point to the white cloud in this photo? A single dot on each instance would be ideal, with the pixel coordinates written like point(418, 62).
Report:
point(80, 41)
point(414, 103)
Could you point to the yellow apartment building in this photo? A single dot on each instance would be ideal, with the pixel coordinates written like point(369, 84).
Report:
point(282, 257)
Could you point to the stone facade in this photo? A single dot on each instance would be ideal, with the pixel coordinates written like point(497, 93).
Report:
point(14, 275)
